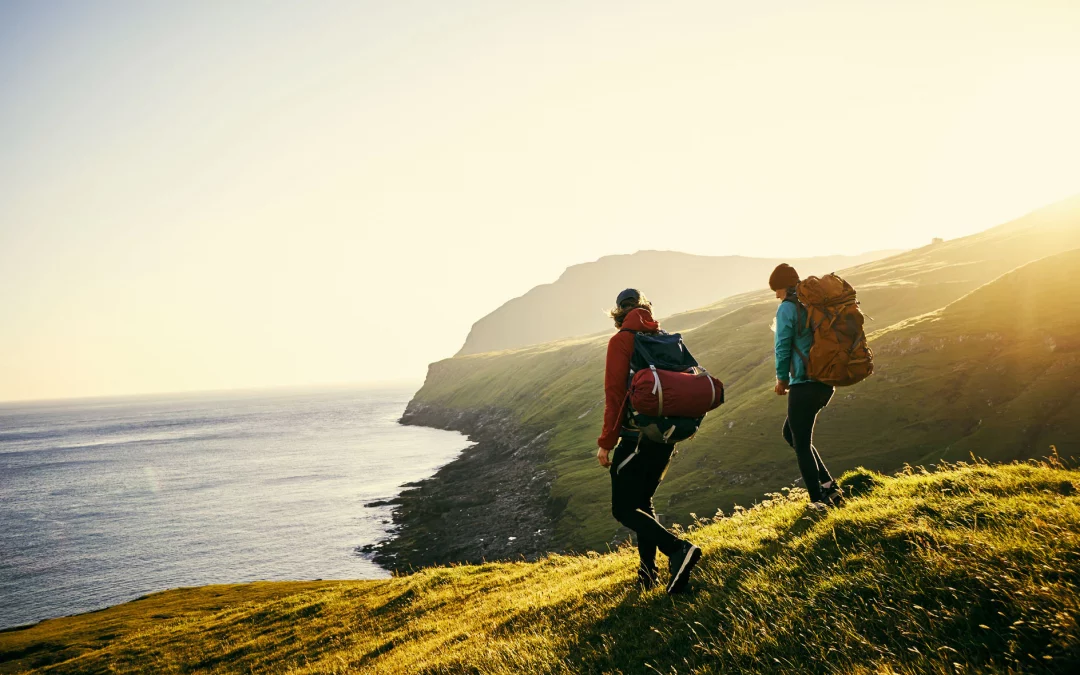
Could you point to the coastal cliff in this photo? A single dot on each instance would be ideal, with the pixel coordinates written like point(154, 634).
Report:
point(956, 374)
point(490, 503)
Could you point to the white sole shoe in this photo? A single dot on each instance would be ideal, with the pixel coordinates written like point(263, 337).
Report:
point(682, 576)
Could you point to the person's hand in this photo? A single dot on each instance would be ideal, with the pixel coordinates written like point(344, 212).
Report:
point(602, 457)
point(781, 388)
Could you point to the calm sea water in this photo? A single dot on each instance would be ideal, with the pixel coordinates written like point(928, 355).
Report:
point(103, 501)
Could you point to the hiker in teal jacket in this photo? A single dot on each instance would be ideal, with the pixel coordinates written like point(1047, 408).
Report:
point(806, 396)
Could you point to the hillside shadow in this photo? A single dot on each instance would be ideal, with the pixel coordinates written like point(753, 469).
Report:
point(636, 630)
point(755, 610)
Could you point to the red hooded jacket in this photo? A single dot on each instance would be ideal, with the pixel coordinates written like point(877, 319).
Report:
point(619, 350)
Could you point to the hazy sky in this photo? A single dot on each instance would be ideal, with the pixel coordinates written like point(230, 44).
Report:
point(229, 194)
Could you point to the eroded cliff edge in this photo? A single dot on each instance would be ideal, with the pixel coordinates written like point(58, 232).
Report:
point(491, 503)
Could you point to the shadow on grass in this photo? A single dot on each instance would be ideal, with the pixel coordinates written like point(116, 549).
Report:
point(861, 593)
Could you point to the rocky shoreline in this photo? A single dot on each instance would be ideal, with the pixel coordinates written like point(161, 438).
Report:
point(491, 503)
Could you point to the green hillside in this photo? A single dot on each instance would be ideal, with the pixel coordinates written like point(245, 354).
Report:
point(973, 569)
point(930, 277)
point(946, 382)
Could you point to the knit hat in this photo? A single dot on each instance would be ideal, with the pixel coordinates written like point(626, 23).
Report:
point(784, 276)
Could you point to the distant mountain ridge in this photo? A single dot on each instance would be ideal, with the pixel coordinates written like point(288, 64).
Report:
point(675, 282)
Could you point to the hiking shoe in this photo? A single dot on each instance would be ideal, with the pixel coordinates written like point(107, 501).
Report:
point(647, 576)
point(832, 495)
point(681, 565)
point(817, 507)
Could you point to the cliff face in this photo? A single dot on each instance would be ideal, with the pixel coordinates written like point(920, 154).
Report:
point(491, 503)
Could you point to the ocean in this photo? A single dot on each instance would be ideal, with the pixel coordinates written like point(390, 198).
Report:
point(102, 501)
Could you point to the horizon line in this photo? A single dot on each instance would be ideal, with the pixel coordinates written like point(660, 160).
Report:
point(375, 384)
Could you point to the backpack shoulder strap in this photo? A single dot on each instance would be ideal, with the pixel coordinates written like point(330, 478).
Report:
point(799, 309)
point(630, 375)
point(806, 361)
point(802, 316)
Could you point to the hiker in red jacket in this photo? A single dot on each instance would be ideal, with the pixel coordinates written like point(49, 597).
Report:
point(636, 475)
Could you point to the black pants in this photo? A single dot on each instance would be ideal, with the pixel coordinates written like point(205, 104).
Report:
point(634, 479)
point(805, 401)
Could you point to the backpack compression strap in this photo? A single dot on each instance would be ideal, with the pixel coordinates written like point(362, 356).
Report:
point(659, 391)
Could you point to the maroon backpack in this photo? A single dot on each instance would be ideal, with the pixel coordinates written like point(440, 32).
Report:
point(689, 393)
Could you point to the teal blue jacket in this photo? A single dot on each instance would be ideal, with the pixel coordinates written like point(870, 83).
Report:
point(792, 332)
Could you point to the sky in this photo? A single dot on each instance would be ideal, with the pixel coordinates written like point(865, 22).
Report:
point(205, 195)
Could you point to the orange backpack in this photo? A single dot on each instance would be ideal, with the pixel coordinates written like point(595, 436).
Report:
point(839, 355)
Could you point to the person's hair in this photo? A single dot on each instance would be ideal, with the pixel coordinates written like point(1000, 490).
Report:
point(619, 313)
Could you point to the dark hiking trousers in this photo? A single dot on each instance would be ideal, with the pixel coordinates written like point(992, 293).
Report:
point(634, 478)
point(805, 401)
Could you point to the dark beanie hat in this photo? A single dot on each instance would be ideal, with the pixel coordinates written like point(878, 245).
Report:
point(784, 276)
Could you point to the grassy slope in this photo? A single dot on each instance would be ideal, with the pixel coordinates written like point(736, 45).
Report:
point(930, 277)
point(739, 455)
point(973, 569)
point(59, 640)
